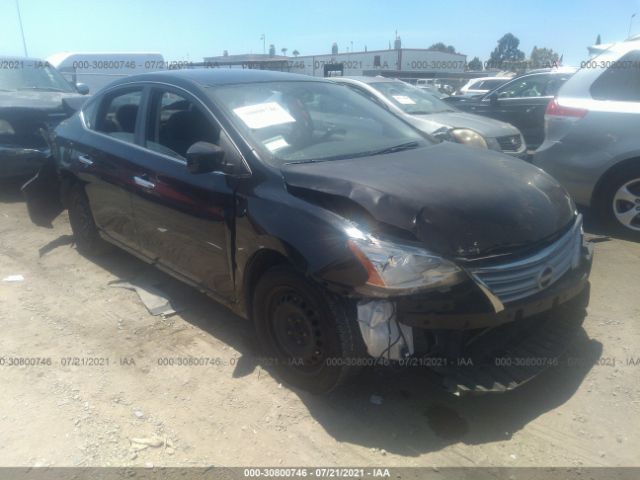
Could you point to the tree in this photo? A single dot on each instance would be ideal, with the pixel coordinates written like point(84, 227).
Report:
point(441, 47)
point(334, 49)
point(506, 55)
point(543, 58)
point(475, 64)
point(598, 40)
point(284, 51)
point(295, 53)
point(272, 50)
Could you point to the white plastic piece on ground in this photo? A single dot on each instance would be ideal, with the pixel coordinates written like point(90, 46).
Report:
point(13, 278)
point(379, 329)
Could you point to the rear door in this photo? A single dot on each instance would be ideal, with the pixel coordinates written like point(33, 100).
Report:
point(183, 220)
point(104, 159)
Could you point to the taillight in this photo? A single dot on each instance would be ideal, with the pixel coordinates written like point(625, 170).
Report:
point(554, 108)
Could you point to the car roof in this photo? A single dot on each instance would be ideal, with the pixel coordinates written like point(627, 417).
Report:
point(364, 79)
point(207, 77)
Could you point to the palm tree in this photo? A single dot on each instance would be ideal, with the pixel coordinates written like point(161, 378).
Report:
point(295, 53)
point(284, 51)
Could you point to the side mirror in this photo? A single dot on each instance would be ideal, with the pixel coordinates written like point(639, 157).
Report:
point(82, 88)
point(205, 157)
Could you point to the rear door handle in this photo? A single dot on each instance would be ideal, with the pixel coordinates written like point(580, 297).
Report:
point(86, 160)
point(141, 182)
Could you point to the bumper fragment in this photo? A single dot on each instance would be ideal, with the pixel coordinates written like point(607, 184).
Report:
point(20, 161)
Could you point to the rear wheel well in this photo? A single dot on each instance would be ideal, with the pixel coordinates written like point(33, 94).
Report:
point(261, 261)
point(608, 175)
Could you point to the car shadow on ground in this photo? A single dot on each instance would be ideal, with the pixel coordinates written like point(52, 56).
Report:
point(412, 415)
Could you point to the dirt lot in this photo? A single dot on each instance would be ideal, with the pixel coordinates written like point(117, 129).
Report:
point(236, 414)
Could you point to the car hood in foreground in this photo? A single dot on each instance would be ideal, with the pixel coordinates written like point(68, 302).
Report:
point(457, 201)
point(40, 100)
point(487, 127)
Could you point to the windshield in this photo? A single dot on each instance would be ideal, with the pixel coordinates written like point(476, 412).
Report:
point(411, 100)
point(313, 121)
point(23, 75)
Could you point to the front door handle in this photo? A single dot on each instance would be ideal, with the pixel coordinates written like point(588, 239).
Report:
point(141, 182)
point(86, 160)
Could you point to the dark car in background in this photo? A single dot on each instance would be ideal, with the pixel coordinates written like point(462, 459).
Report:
point(34, 98)
point(521, 101)
point(344, 233)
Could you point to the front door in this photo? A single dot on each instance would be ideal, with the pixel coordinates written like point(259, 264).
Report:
point(183, 220)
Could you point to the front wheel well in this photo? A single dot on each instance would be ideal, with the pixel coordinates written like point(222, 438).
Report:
point(261, 261)
point(609, 174)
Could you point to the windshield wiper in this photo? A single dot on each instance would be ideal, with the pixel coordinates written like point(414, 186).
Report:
point(396, 148)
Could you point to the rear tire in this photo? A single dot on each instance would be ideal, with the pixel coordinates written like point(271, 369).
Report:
point(310, 336)
point(85, 231)
point(618, 206)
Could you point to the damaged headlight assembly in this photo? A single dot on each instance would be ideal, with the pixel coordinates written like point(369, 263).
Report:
point(396, 269)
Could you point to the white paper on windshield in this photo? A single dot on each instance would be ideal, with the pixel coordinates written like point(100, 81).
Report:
point(263, 115)
point(403, 99)
point(276, 144)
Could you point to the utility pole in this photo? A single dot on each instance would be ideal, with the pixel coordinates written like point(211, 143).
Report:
point(630, 23)
point(264, 43)
point(24, 42)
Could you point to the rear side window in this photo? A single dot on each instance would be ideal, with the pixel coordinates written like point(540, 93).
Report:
point(621, 81)
point(118, 114)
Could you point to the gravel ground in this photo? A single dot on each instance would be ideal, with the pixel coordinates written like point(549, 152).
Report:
point(133, 411)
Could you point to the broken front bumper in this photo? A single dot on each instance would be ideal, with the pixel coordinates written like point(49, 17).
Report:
point(20, 161)
point(474, 344)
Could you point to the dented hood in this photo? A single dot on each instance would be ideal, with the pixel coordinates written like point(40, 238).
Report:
point(459, 201)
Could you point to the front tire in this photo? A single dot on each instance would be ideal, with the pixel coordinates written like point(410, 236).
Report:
point(619, 204)
point(310, 336)
point(85, 231)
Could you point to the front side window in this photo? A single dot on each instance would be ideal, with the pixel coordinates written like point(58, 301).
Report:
point(175, 123)
point(621, 81)
point(118, 114)
point(312, 121)
point(411, 100)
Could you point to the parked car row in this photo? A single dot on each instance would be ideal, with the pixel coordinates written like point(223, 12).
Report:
point(318, 210)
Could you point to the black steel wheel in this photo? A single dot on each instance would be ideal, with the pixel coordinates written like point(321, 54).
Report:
point(310, 337)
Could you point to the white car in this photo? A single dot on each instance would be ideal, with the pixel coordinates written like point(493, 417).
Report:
point(480, 86)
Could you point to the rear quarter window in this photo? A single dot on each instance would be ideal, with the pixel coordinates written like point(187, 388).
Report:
point(621, 81)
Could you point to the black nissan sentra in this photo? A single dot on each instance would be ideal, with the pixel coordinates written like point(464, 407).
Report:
point(347, 236)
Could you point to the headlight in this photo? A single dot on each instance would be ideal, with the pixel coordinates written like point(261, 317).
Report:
point(468, 137)
point(6, 128)
point(400, 269)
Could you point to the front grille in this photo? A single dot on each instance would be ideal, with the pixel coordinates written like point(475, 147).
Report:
point(528, 276)
point(510, 143)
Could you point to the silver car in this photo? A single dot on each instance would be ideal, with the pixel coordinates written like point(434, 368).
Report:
point(433, 116)
point(591, 141)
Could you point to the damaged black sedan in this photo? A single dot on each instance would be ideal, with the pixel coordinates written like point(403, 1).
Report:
point(34, 98)
point(344, 233)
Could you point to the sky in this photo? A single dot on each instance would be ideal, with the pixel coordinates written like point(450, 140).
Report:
point(188, 30)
